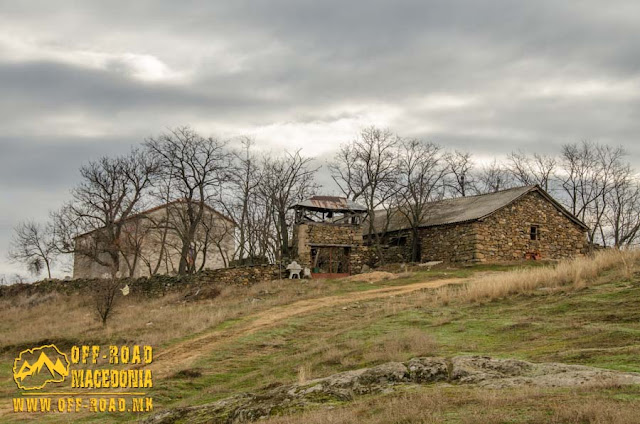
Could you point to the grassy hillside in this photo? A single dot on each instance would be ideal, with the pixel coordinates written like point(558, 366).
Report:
point(248, 339)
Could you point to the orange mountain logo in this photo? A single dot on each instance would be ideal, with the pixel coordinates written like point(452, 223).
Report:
point(36, 367)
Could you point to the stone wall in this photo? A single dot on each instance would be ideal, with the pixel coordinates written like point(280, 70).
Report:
point(242, 275)
point(157, 285)
point(316, 234)
point(449, 243)
point(394, 248)
point(505, 235)
point(359, 258)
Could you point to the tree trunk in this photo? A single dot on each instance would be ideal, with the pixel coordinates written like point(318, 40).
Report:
point(415, 246)
point(284, 235)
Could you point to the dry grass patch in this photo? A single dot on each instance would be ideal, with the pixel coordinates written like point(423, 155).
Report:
point(407, 408)
point(476, 406)
point(593, 412)
point(304, 373)
point(151, 321)
point(573, 273)
point(400, 346)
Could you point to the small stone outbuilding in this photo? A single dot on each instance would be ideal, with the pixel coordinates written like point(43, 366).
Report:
point(518, 223)
point(328, 236)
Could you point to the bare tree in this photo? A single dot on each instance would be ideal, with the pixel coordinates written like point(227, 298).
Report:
point(242, 202)
point(577, 175)
point(587, 175)
point(103, 204)
point(134, 237)
point(623, 212)
point(216, 233)
point(195, 168)
point(105, 294)
point(34, 246)
point(366, 170)
point(286, 180)
point(18, 279)
point(530, 170)
point(110, 191)
point(421, 171)
point(493, 177)
point(460, 180)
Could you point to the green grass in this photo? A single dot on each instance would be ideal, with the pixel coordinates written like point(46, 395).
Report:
point(597, 326)
point(574, 327)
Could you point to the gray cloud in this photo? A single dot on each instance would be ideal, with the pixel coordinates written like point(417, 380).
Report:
point(84, 79)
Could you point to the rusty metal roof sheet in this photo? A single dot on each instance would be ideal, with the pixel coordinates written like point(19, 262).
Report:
point(330, 203)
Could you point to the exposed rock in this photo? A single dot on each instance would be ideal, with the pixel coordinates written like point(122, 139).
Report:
point(482, 371)
point(474, 369)
point(427, 370)
point(501, 373)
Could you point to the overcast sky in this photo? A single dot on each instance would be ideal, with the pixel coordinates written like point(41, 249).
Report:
point(83, 79)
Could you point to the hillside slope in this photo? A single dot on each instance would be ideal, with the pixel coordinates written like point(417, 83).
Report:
point(256, 339)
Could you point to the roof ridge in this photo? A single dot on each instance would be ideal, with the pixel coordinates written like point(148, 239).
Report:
point(463, 209)
point(450, 199)
point(486, 194)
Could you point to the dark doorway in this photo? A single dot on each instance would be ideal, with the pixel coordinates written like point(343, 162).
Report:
point(330, 261)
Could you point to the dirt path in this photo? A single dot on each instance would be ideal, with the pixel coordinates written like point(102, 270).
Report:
point(184, 353)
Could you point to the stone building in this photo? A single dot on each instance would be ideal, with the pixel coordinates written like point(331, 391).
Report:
point(328, 237)
point(151, 243)
point(519, 223)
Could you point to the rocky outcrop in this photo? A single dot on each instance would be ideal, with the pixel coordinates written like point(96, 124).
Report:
point(481, 371)
point(502, 373)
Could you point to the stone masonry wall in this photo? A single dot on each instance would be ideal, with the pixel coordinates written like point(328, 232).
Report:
point(242, 275)
point(312, 233)
point(449, 243)
point(359, 257)
point(505, 235)
point(156, 285)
